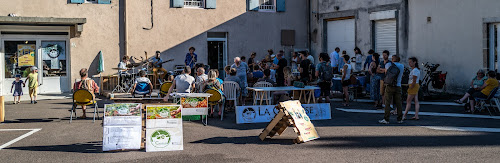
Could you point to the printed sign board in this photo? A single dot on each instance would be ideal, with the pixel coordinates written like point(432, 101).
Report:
point(301, 120)
point(265, 113)
point(164, 128)
point(122, 126)
point(26, 54)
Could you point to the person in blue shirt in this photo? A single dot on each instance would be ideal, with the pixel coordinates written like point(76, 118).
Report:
point(368, 59)
point(191, 58)
point(393, 92)
point(257, 73)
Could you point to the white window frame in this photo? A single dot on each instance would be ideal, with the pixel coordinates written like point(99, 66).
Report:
point(92, 1)
point(265, 8)
point(202, 4)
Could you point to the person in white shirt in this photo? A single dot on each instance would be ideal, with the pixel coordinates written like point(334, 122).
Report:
point(359, 59)
point(413, 88)
point(334, 59)
point(310, 57)
point(201, 77)
point(183, 83)
point(123, 65)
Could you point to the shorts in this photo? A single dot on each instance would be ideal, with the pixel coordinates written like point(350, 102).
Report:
point(479, 95)
point(472, 91)
point(33, 91)
point(414, 90)
point(382, 88)
point(346, 83)
point(325, 88)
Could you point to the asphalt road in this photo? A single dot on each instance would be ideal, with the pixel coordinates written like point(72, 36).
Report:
point(347, 137)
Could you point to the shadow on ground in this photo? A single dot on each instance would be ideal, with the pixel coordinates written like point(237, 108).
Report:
point(89, 147)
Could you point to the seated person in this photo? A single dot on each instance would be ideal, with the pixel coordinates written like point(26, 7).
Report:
point(257, 73)
point(170, 78)
point(183, 83)
point(232, 77)
point(219, 79)
point(267, 78)
point(87, 84)
point(142, 79)
point(486, 89)
point(213, 83)
point(201, 77)
point(475, 85)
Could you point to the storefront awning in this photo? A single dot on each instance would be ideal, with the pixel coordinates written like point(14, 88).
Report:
point(76, 24)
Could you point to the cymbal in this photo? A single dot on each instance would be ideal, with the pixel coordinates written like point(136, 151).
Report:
point(118, 68)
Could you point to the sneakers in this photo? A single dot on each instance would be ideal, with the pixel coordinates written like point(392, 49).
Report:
point(383, 121)
point(401, 121)
point(34, 102)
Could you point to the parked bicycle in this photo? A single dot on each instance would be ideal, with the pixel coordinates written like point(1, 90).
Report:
point(434, 82)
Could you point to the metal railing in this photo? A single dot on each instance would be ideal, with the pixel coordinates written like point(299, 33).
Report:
point(193, 3)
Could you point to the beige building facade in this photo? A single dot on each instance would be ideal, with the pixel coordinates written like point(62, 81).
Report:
point(61, 37)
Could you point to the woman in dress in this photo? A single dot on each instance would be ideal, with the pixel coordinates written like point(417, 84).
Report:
point(375, 80)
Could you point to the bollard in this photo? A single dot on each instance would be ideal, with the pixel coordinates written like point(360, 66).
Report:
point(2, 109)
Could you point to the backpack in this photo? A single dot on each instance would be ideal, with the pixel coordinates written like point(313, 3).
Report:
point(326, 72)
point(391, 76)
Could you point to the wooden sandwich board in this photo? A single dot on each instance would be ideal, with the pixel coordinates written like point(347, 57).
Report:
point(291, 114)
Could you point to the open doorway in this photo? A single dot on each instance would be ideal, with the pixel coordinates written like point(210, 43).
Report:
point(217, 52)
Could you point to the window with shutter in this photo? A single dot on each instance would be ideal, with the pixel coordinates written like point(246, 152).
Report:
point(267, 5)
point(280, 5)
point(104, 1)
point(77, 1)
point(253, 5)
point(210, 4)
point(193, 3)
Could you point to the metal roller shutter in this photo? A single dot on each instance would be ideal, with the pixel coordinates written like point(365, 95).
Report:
point(341, 34)
point(385, 36)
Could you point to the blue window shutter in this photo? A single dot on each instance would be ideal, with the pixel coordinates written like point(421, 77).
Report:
point(210, 4)
point(253, 5)
point(280, 5)
point(104, 1)
point(77, 1)
point(178, 3)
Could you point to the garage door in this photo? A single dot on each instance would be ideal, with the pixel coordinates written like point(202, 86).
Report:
point(341, 34)
point(385, 36)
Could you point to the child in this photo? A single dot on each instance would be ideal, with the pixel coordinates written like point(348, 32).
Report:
point(142, 79)
point(18, 91)
point(32, 81)
point(170, 78)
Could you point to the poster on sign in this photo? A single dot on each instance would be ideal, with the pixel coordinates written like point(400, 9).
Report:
point(121, 137)
point(26, 54)
point(301, 120)
point(122, 126)
point(265, 113)
point(164, 139)
point(164, 128)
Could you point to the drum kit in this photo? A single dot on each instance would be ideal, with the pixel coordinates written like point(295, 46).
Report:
point(126, 77)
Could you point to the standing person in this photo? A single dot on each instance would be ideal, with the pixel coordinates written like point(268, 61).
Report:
point(359, 59)
point(381, 74)
point(251, 61)
point(486, 89)
point(295, 60)
point(324, 73)
point(334, 60)
point(32, 81)
point(243, 59)
point(191, 58)
point(282, 63)
point(277, 59)
point(241, 72)
point(87, 84)
point(304, 69)
point(375, 80)
point(183, 83)
point(342, 62)
point(310, 57)
point(394, 74)
point(346, 78)
point(157, 66)
point(18, 90)
point(368, 59)
point(413, 88)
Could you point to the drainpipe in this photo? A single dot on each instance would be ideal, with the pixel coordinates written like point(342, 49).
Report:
point(309, 25)
point(125, 27)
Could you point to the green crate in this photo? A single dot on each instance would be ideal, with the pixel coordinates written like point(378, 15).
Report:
point(191, 118)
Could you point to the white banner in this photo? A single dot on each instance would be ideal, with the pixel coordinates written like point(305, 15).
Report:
point(121, 137)
point(265, 113)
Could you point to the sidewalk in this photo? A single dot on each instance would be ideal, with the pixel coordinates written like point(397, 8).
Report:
point(26, 98)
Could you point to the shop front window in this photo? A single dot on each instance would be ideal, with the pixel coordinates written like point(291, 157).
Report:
point(19, 57)
point(54, 58)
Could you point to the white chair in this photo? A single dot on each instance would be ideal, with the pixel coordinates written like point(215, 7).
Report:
point(230, 91)
point(268, 94)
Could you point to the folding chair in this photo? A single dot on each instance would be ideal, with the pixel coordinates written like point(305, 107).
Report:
point(230, 91)
point(83, 97)
point(142, 88)
point(268, 94)
point(215, 100)
point(164, 89)
point(484, 102)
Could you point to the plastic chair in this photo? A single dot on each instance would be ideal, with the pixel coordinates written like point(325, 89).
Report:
point(483, 102)
point(164, 89)
point(142, 88)
point(216, 99)
point(83, 97)
point(268, 94)
point(230, 91)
